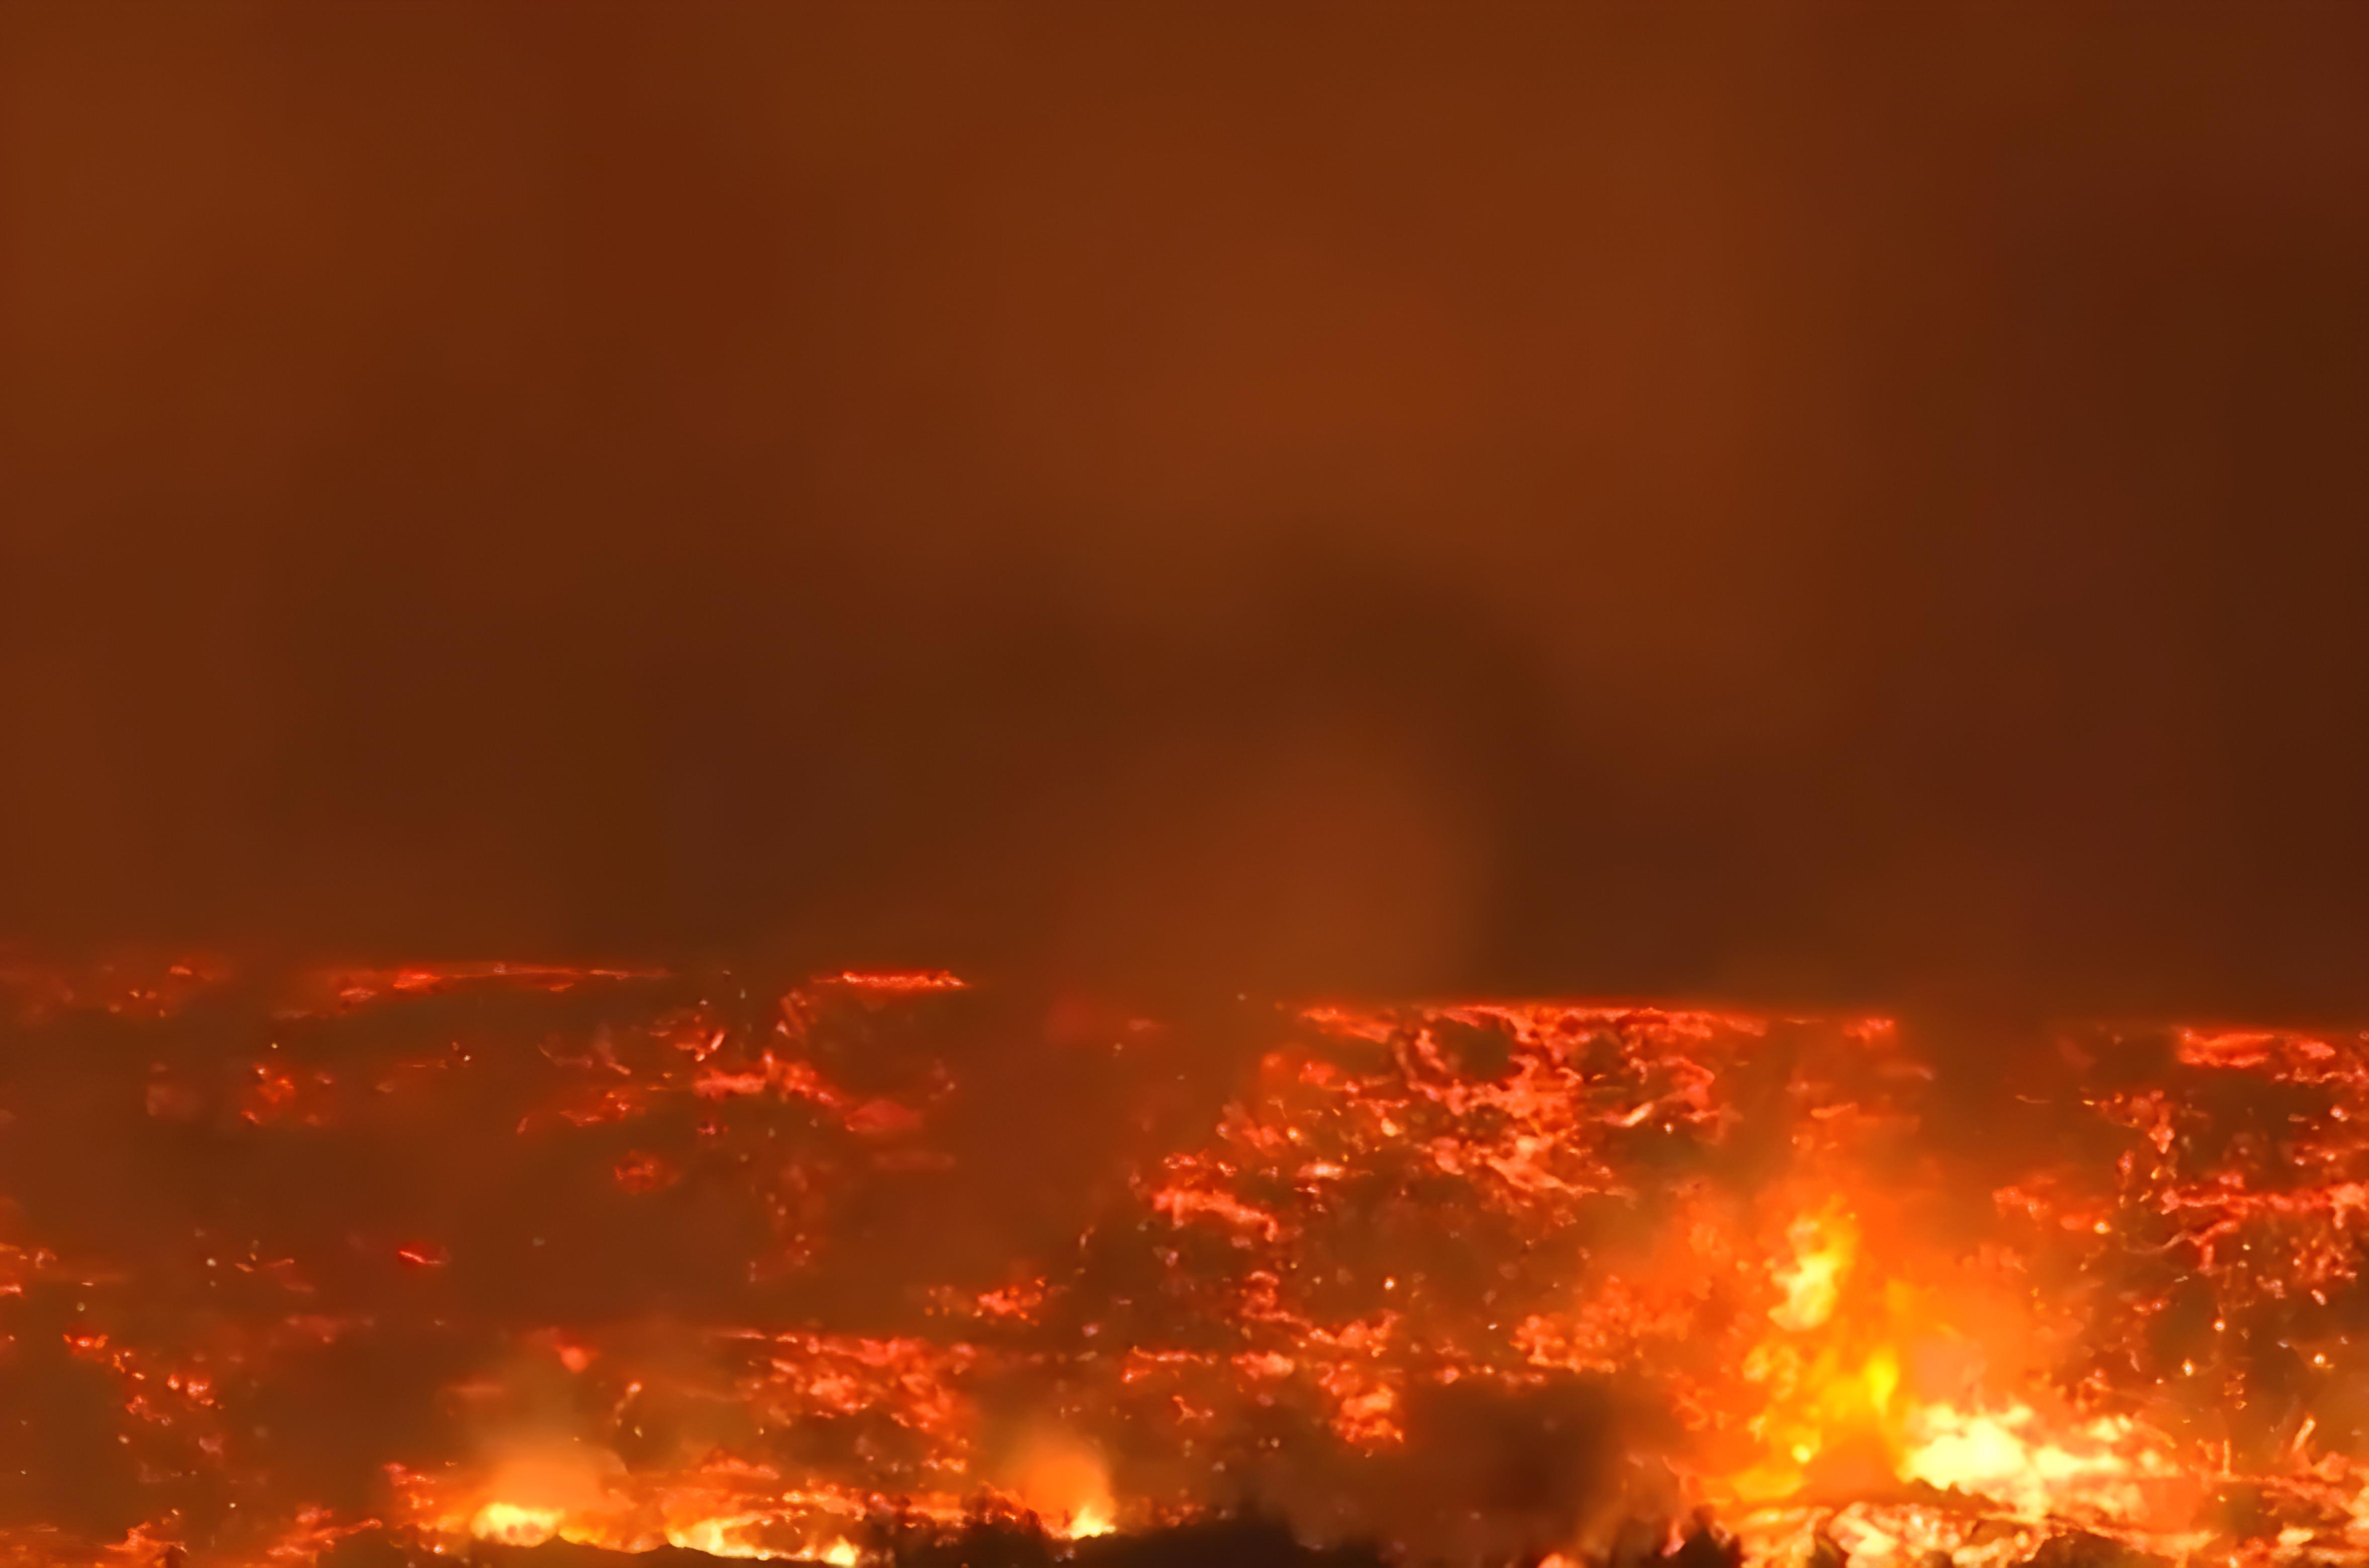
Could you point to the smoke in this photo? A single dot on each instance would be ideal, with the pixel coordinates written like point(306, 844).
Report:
point(1515, 502)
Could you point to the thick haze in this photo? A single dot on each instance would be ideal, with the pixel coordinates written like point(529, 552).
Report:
point(1835, 503)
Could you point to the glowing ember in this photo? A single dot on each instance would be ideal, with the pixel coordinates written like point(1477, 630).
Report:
point(528, 1254)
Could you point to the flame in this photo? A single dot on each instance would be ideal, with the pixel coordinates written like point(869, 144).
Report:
point(734, 1536)
point(1090, 1520)
point(1824, 1245)
point(1841, 1406)
point(2102, 1467)
point(1066, 1483)
point(516, 1523)
point(2138, 1293)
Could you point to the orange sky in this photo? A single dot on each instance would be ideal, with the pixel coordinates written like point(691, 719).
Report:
point(1821, 501)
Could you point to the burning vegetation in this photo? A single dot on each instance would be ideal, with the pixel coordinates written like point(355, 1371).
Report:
point(367, 1267)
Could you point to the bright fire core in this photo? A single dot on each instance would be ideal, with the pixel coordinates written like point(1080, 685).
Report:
point(514, 1255)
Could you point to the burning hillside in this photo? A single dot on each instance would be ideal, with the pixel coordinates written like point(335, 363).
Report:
point(370, 1265)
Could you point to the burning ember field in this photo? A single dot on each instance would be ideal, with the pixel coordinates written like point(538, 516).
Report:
point(514, 1263)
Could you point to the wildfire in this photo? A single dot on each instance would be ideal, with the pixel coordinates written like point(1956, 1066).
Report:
point(516, 1523)
point(1067, 1485)
point(1823, 1248)
point(522, 1255)
point(1872, 1380)
point(2099, 1466)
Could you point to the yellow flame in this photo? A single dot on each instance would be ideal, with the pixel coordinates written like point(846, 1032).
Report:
point(1829, 1380)
point(2005, 1453)
point(516, 1523)
point(724, 1536)
point(1824, 1245)
point(1091, 1519)
point(1065, 1482)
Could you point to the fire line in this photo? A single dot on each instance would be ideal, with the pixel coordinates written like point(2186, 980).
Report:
point(483, 1258)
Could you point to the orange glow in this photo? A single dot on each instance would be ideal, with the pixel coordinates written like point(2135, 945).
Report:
point(1823, 1248)
point(2105, 1307)
point(516, 1523)
point(897, 981)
